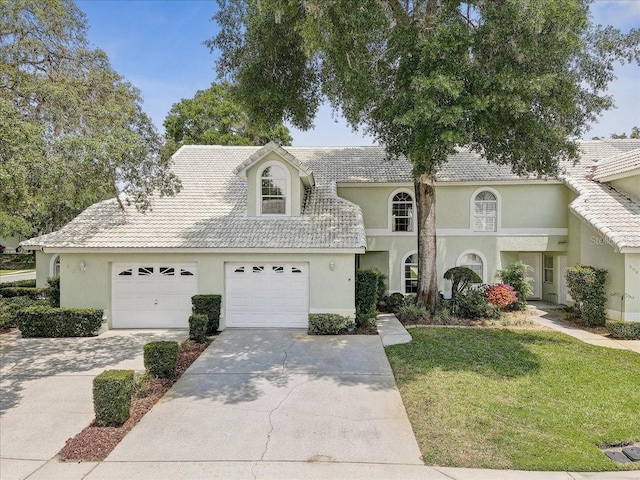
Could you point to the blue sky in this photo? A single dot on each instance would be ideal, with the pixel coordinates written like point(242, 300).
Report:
point(158, 46)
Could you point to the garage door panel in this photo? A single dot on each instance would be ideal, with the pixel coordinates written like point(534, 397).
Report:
point(152, 296)
point(264, 294)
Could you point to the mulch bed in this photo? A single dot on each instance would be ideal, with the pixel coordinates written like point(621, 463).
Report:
point(94, 443)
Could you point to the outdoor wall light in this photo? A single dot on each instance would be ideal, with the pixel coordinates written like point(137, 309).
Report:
point(332, 265)
point(82, 265)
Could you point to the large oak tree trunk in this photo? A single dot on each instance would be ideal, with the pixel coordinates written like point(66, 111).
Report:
point(426, 220)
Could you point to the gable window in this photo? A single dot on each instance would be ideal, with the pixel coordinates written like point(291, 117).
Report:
point(273, 191)
point(410, 274)
point(485, 212)
point(474, 261)
point(54, 266)
point(402, 212)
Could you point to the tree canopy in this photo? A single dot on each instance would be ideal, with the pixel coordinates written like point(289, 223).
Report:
point(212, 117)
point(515, 80)
point(72, 130)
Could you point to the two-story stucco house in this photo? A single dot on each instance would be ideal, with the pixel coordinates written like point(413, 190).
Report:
point(280, 231)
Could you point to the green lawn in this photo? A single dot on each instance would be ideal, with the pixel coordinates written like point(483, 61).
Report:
point(517, 399)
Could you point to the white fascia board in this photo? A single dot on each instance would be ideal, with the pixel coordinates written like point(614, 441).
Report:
point(444, 183)
point(465, 232)
point(617, 176)
point(374, 184)
point(201, 250)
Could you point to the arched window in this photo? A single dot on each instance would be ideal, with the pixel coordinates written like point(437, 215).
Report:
point(402, 212)
point(474, 261)
point(273, 191)
point(485, 212)
point(54, 266)
point(410, 274)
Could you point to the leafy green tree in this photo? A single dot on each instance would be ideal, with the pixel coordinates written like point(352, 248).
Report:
point(635, 133)
point(72, 130)
point(211, 117)
point(515, 80)
point(461, 278)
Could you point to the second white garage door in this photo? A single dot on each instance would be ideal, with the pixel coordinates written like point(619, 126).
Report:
point(267, 294)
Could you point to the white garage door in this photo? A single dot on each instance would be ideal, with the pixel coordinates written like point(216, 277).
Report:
point(152, 295)
point(267, 294)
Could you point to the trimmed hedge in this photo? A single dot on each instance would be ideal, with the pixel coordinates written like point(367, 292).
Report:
point(326, 323)
point(112, 391)
point(50, 322)
point(19, 283)
point(160, 358)
point(366, 295)
point(198, 327)
point(29, 292)
point(624, 330)
point(53, 292)
point(586, 287)
point(208, 305)
point(9, 308)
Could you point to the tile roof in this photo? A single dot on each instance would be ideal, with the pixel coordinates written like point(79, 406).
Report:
point(613, 213)
point(210, 211)
point(618, 165)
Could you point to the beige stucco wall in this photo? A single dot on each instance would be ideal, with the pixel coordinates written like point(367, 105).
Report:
point(630, 185)
point(43, 265)
point(329, 290)
point(632, 286)
point(253, 186)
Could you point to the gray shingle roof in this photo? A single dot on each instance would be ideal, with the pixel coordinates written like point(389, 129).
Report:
point(210, 211)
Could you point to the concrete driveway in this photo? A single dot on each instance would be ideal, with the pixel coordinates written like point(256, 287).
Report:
point(264, 396)
point(46, 390)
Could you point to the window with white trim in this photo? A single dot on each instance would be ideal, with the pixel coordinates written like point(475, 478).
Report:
point(473, 262)
point(273, 191)
point(410, 274)
point(54, 266)
point(548, 268)
point(485, 212)
point(402, 212)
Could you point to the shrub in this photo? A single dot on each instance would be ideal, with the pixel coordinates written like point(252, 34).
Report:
point(49, 322)
point(160, 358)
point(29, 292)
point(382, 285)
point(412, 313)
point(19, 283)
point(208, 305)
point(395, 302)
point(624, 330)
point(516, 276)
point(461, 278)
point(366, 294)
point(53, 292)
point(112, 391)
point(501, 295)
point(198, 327)
point(9, 308)
point(141, 385)
point(326, 323)
point(586, 286)
point(473, 304)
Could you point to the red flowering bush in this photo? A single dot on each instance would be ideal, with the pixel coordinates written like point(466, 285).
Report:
point(501, 295)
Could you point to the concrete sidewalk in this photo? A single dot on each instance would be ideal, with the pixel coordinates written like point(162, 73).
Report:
point(553, 317)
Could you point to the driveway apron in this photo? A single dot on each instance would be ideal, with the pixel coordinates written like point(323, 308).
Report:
point(279, 395)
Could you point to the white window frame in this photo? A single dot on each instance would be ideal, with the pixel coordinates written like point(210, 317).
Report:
point(546, 269)
point(52, 265)
point(287, 189)
point(413, 210)
point(472, 211)
point(403, 278)
point(483, 259)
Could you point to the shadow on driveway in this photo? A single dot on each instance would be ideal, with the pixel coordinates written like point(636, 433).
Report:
point(25, 359)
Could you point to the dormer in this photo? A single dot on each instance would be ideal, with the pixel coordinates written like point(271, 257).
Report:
point(276, 181)
point(622, 172)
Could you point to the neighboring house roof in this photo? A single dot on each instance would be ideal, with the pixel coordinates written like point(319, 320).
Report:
point(211, 212)
point(613, 213)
